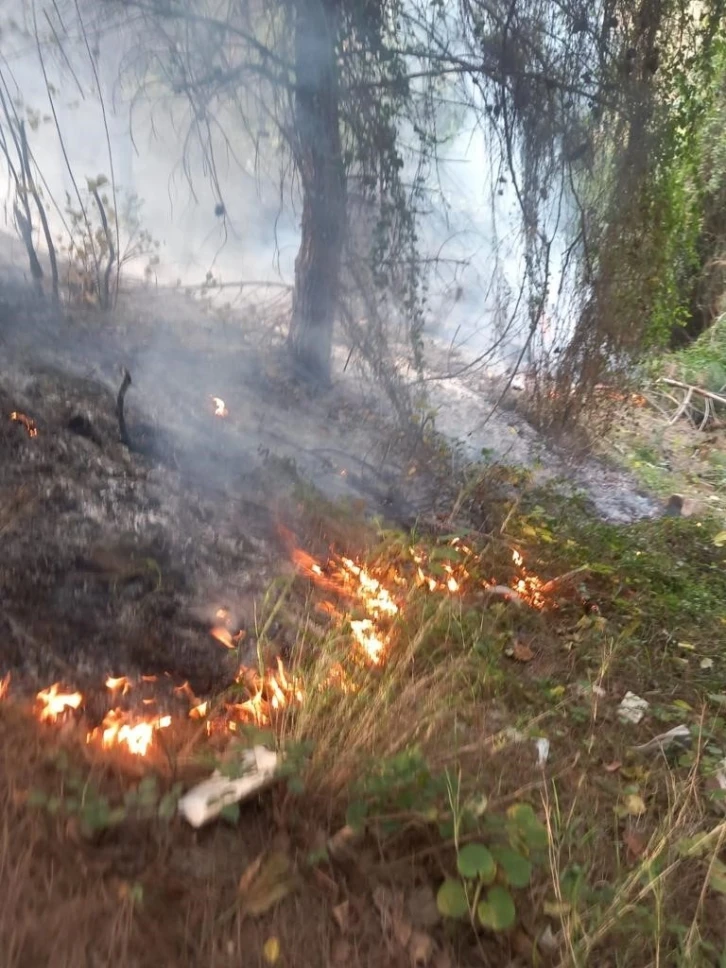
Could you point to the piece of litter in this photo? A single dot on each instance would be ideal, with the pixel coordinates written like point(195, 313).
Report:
point(632, 708)
point(543, 750)
point(679, 734)
point(206, 801)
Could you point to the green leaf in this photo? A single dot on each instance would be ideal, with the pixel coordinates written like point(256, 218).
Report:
point(526, 825)
point(474, 860)
point(451, 899)
point(720, 539)
point(497, 912)
point(516, 868)
point(521, 814)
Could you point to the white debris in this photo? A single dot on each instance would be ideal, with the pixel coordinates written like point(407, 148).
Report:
point(206, 801)
point(678, 734)
point(543, 750)
point(632, 708)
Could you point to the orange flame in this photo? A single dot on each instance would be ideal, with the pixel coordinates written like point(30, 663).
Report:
point(122, 685)
point(223, 635)
point(119, 730)
point(27, 422)
point(53, 702)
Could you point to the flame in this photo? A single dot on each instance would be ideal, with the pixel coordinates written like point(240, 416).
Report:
point(529, 587)
point(122, 684)
point(223, 635)
point(120, 730)
point(26, 421)
point(220, 410)
point(53, 702)
point(4, 686)
point(365, 634)
point(199, 711)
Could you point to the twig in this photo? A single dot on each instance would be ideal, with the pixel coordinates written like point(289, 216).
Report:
point(682, 408)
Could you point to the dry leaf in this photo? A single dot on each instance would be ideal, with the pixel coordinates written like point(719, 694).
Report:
point(635, 844)
point(250, 873)
point(341, 915)
point(420, 949)
point(274, 880)
point(635, 805)
point(340, 843)
point(613, 767)
point(402, 929)
point(271, 951)
point(522, 652)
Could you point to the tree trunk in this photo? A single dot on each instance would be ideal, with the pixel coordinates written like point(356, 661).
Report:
point(319, 159)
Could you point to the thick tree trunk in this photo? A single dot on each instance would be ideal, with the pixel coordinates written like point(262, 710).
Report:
point(322, 175)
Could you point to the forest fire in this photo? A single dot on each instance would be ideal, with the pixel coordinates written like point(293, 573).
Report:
point(25, 421)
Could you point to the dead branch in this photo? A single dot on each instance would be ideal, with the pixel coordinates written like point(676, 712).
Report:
point(708, 394)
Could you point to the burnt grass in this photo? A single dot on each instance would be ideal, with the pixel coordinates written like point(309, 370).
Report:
point(111, 563)
point(114, 563)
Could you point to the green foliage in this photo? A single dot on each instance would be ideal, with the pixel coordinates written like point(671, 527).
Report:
point(95, 813)
point(451, 899)
point(518, 840)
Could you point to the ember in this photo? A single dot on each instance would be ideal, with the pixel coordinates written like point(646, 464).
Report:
point(220, 410)
point(223, 635)
point(26, 422)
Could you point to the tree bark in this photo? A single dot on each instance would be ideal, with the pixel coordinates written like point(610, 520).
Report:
point(319, 158)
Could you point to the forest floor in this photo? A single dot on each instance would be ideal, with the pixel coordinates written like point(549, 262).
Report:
point(459, 785)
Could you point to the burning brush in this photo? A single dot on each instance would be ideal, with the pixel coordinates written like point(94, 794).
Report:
point(25, 421)
point(365, 599)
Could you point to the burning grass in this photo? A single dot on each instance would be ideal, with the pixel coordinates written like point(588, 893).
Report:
point(415, 679)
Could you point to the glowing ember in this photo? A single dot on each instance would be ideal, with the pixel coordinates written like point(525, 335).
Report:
point(53, 702)
point(199, 711)
point(119, 730)
point(223, 635)
point(220, 410)
point(27, 422)
point(4, 686)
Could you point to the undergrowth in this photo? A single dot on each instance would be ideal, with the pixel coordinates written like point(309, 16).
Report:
point(485, 759)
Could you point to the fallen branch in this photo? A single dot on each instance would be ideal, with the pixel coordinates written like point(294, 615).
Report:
point(708, 394)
